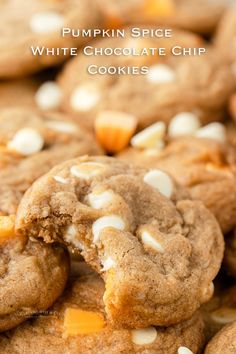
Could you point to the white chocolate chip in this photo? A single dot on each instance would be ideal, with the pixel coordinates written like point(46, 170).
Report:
point(112, 221)
point(48, 96)
point(184, 350)
point(100, 200)
point(60, 179)
point(224, 315)
point(144, 336)
point(160, 74)
point(107, 264)
point(150, 137)
point(185, 123)
point(150, 241)
point(87, 170)
point(161, 181)
point(85, 97)
point(26, 141)
point(215, 131)
point(62, 127)
point(70, 236)
point(46, 22)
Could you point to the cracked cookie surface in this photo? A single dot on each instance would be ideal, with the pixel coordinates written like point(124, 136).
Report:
point(150, 242)
point(87, 331)
point(33, 276)
point(30, 144)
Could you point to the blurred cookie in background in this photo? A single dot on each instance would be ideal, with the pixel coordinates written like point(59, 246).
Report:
point(18, 92)
point(200, 16)
point(171, 84)
point(38, 23)
point(225, 37)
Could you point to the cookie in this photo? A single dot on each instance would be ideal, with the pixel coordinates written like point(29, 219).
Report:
point(33, 275)
point(134, 226)
point(39, 24)
point(225, 37)
point(76, 325)
point(30, 144)
point(206, 166)
point(171, 84)
point(219, 311)
point(18, 93)
point(223, 342)
point(230, 253)
point(30, 92)
point(199, 16)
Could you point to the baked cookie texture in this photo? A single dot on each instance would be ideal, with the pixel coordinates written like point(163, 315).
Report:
point(31, 143)
point(199, 16)
point(205, 166)
point(39, 23)
point(33, 276)
point(174, 84)
point(149, 241)
point(84, 296)
point(223, 342)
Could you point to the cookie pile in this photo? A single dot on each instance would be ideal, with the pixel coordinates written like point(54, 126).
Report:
point(117, 191)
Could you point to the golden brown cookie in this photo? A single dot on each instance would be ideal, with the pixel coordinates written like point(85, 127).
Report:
point(170, 85)
point(33, 275)
point(149, 241)
point(76, 325)
point(224, 341)
point(38, 23)
point(30, 144)
point(206, 166)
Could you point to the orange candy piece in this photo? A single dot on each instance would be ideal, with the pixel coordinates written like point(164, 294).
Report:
point(159, 8)
point(114, 130)
point(77, 321)
point(7, 225)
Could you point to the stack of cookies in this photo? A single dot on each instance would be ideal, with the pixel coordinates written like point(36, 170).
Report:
point(118, 191)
